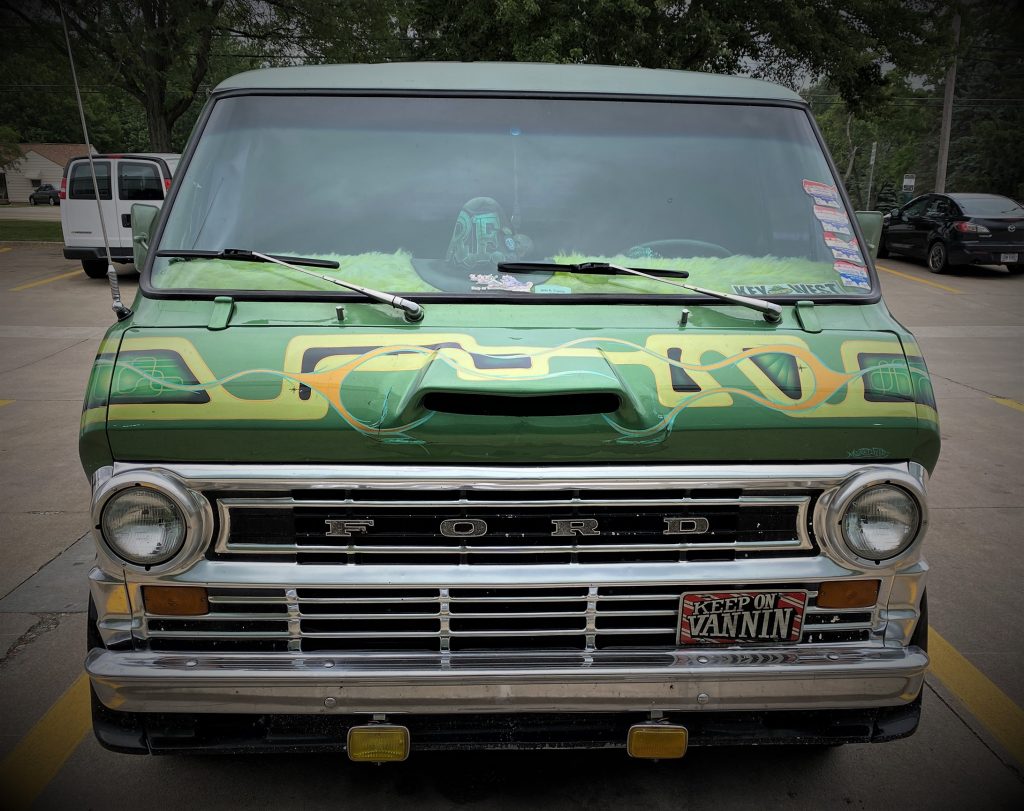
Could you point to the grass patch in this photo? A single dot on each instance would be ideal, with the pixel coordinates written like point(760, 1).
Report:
point(31, 230)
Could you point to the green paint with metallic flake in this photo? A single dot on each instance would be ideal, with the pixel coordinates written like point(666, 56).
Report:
point(285, 382)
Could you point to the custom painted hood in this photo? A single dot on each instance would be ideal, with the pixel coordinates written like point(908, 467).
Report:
point(381, 393)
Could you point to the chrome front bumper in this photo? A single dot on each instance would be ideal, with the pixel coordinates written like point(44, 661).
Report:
point(602, 681)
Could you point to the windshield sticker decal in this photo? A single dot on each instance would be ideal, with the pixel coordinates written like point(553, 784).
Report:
point(843, 249)
point(491, 281)
point(822, 194)
point(851, 274)
point(822, 289)
point(832, 219)
point(551, 288)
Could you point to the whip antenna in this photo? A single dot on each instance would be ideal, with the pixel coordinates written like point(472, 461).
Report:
point(118, 306)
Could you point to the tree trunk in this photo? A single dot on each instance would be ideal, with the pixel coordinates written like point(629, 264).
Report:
point(159, 128)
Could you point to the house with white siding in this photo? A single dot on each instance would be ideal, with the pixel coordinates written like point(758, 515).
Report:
point(41, 163)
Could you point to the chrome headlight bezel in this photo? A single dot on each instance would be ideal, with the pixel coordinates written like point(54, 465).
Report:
point(194, 509)
point(834, 506)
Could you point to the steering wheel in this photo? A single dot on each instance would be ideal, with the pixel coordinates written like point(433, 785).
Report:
point(671, 248)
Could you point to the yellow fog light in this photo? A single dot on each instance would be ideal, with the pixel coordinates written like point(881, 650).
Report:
point(661, 741)
point(378, 743)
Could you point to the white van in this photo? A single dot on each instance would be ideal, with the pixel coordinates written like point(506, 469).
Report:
point(140, 178)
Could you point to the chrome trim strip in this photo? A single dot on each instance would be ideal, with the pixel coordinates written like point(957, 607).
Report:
point(240, 478)
point(831, 677)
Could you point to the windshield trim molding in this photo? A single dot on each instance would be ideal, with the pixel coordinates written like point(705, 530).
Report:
point(147, 290)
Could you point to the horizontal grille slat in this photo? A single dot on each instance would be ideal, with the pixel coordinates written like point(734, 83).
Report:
point(362, 527)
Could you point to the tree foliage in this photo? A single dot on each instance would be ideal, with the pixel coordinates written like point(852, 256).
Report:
point(874, 67)
point(988, 117)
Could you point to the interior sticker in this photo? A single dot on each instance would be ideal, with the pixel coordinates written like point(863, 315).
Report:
point(822, 194)
point(491, 281)
point(551, 288)
point(852, 275)
point(843, 249)
point(832, 219)
point(819, 289)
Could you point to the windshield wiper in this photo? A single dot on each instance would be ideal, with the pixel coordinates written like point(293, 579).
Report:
point(772, 312)
point(244, 256)
point(413, 311)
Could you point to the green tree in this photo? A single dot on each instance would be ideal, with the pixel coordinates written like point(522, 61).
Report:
point(166, 54)
point(9, 151)
point(785, 40)
point(985, 152)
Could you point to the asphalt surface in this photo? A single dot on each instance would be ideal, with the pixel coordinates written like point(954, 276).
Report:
point(966, 754)
point(23, 211)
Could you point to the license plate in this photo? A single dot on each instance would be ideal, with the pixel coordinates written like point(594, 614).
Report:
point(1008, 257)
point(730, 617)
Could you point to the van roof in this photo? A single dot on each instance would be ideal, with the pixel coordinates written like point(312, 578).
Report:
point(516, 77)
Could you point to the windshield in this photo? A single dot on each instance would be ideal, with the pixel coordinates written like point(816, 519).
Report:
point(428, 195)
point(989, 206)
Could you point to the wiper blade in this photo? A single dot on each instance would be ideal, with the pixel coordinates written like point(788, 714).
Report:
point(237, 255)
point(772, 312)
point(597, 268)
point(413, 311)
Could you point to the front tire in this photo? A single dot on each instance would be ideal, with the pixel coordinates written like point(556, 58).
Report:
point(52, 201)
point(95, 268)
point(883, 252)
point(1017, 269)
point(31, 201)
point(938, 257)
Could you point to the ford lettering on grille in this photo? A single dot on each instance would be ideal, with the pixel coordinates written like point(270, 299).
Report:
point(402, 528)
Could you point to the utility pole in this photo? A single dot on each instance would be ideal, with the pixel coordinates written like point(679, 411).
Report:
point(947, 110)
point(871, 174)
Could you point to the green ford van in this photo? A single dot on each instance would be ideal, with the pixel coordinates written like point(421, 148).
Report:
point(506, 406)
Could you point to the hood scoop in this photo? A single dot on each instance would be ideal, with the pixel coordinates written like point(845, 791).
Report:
point(588, 386)
point(522, 405)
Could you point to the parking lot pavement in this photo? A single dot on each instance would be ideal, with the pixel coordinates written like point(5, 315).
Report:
point(27, 212)
point(969, 751)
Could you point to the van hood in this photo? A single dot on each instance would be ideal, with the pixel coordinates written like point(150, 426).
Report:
point(300, 394)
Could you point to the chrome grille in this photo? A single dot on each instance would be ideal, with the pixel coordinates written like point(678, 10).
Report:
point(456, 619)
point(389, 527)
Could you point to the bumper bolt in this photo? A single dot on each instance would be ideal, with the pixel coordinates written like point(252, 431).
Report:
point(703, 698)
point(330, 703)
point(702, 659)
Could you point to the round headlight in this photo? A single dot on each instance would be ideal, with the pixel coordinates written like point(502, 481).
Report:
point(881, 522)
point(143, 526)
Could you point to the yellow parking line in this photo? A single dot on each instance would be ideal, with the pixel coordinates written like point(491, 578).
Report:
point(5, 250)
point(5, 402)
point(36, 760)
point(986, 702)
point(44, 281)
point(912, 278)
point(1006, 401)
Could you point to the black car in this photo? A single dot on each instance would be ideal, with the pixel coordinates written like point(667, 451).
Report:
point(45, 195)
point(957, 229)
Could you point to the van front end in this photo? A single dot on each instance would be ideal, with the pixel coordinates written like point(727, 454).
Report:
point(512, 406)
point(490, 580)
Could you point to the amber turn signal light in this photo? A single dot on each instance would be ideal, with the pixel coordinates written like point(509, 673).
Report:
point(178, 601)
point(378, 743)
point(848, 594)
point(657, 741)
